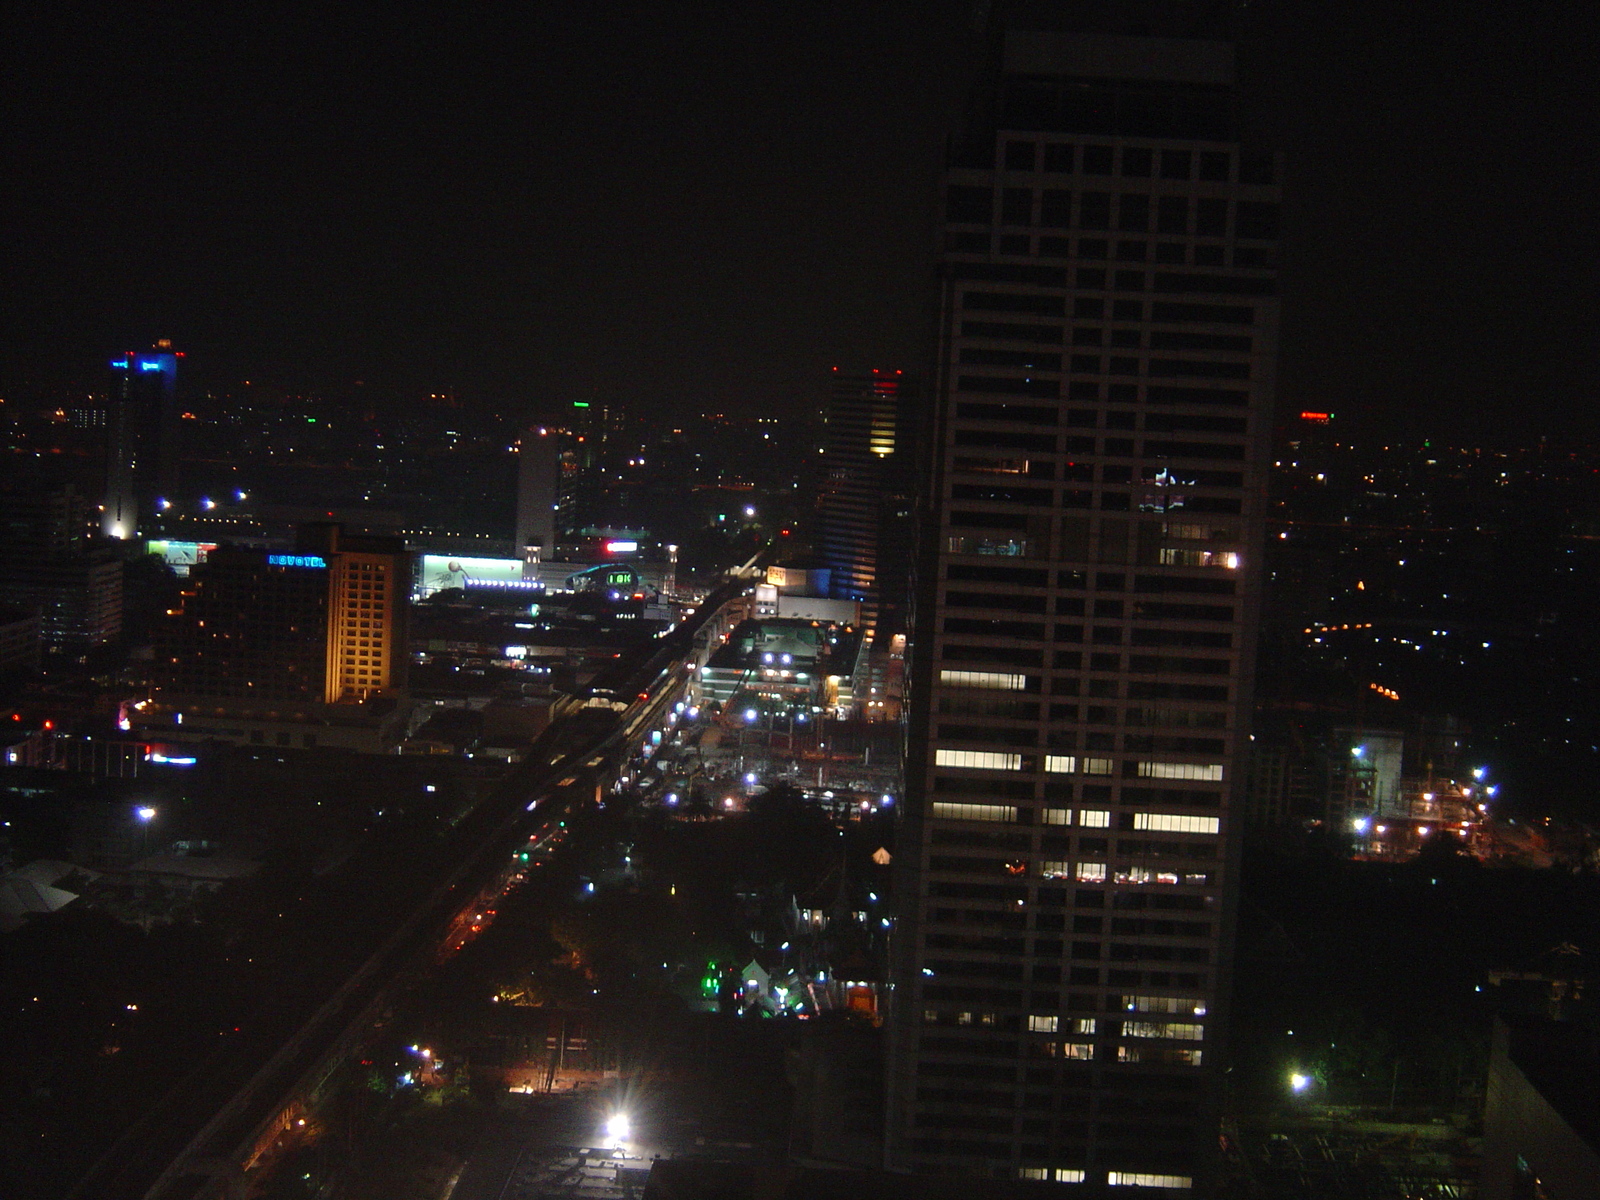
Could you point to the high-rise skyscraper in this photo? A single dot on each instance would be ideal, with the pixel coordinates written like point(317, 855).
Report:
point(141, 439)
point(538, 492)
point(860, 434)
point(1087, 605)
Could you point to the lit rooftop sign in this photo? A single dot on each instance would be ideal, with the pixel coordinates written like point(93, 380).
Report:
point(296, 560)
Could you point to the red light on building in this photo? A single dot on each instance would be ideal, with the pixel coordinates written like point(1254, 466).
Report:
point(1318, 418)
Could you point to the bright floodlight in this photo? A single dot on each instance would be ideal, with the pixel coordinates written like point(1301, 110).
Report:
point(147, 813)
point(1299, 1082)
point(617, 1127)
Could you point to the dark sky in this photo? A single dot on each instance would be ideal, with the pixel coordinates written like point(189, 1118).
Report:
point(705, 205)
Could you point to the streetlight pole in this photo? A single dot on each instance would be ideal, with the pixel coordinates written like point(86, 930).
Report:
point(146, 814)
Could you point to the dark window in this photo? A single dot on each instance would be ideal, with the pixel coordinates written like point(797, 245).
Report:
point(1255, 168)
point(1005, 386)
point(1255, 256)
point(1014, 243)
point(1049, 306)
point(1184, 340)
point(1185, 368)
point(1120, 420)
point(1088, 308)
point(1124, 366)
point(1130, 281)
point(1211, 217)
point(1125, 339)
point(1056, 208)
point(978, 356)
point(1086, 337)
point(1082, 389)
point(1097, 160)
point(1133, 213)
point(1016, 206)
point(1172, 214)
point(1214, 166)
point(1122, 393)
point(1094, 210)
point(1136, 161)
point(1058, 157)
point(1175, 164)
point(1228, 285)
point(1092, 247)
point(1055, 247)
point(973, 205)
point(1020, 156)
point(1208, 256)
point(1091, 277)
point(967, 243)
point(1252, 219)
point(1170, 253)
point(1132, 251)
point(1127, 310)
point(1046, 334)
point(1087, 364)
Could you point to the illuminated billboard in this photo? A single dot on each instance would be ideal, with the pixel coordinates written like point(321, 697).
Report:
point(441, 571)
point(180, 556)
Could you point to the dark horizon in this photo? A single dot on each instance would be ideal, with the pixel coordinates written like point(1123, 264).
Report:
point(623, 205)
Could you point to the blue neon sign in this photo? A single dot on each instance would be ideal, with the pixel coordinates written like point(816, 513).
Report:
point(120, 364)
point(295, 560)
point(146, 364)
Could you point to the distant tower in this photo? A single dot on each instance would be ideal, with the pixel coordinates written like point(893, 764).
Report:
point(142, 442)
point(538, 482)
point(861, 420)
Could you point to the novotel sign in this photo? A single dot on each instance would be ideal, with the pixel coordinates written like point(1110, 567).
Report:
point(296, 560)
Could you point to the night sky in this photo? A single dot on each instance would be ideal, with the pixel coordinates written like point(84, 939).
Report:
point(703, 206)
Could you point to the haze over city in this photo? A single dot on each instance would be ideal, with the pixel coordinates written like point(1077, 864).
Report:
point(916, 600)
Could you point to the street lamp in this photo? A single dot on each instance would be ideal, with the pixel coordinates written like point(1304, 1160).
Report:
point(1299, 1082)
point(146, 814)
point(618, 1127)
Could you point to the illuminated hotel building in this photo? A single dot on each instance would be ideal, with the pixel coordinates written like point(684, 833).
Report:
point(323, 625)
point(1087, 607)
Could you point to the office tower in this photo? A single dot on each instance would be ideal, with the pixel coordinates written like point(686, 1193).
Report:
point(860, 424)
point(1087, 605)
point(325, 624)
point(538, 493)
point(48, 566)
point(142, 439)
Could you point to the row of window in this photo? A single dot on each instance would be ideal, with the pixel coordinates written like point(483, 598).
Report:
point(1096, 308)
point(1134, 162)
point(1127, 212)
point(1024, 245)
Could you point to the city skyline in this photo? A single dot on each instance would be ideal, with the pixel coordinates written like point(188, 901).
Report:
point(633, 206)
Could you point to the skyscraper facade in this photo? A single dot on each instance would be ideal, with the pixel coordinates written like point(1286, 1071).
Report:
point(1086, 610)
point(142, 439)
point(861, 454)
point(538, 493)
